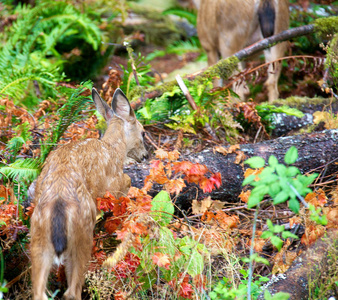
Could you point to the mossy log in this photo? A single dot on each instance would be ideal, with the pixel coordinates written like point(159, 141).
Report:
point(286, 124)
point(316, 152)
point(311, 269)
point(225, 67)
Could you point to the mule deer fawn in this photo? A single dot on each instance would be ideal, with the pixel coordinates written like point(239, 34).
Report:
point(73, 177)
point(227, 26)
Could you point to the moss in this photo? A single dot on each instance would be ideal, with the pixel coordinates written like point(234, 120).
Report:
point(224, 69)
point(136, 93)
point(301, 102)
point(326, 26)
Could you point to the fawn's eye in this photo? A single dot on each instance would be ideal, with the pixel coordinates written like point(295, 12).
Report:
point(143, 134)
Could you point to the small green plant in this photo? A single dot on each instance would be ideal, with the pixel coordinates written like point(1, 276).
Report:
point(282, 183)
point(136, 73)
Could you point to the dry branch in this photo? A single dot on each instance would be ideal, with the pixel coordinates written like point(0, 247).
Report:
point(316, 151)
point(224, 65)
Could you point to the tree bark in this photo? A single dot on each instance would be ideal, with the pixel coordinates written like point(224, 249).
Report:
point(316, 152)
point(314, 264)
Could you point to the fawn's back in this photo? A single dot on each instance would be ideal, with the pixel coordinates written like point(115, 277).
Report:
point(65, 195)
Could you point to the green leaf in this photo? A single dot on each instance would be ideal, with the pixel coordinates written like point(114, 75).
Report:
point(255, 162)
point(25, 170)
point(307, 180)
point(274, 189)
point(294, 205)
point(260, 190)
point(262, 260)
point(281, 296)
point(162, 208)
point(249, 179)
point(278, 228)
point(269, 224)
point(292, 171)
point(266, 234)
point(281, 170)
point(267, 295)
point(281, 197)
point(277, 242)
point(195, 263)
point(291, 155)
point(273, 161)
point(253, 201)
point(288, 234)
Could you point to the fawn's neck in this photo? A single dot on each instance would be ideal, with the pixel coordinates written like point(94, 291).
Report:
point(115, 137)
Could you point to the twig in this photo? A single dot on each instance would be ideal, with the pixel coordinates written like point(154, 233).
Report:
point(193, 104)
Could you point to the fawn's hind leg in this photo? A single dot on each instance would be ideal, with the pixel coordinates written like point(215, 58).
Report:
point(77, 257)
point(42, 260)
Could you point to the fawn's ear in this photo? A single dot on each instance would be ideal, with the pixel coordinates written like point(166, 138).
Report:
point(102, 106)
point(121, 106)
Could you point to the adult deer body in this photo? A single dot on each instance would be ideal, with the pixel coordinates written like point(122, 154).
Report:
point(73, 177)
point(227, 26)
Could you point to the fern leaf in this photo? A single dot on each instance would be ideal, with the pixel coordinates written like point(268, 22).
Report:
point(25, 170)
point(189, 15)
point(68, 114)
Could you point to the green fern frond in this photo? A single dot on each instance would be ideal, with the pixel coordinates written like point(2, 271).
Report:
point(23, 135)
point(25, 170)
point(68, 114)
point(188, 14)
point(15, 143)
point(181, 47)
point(30, 52)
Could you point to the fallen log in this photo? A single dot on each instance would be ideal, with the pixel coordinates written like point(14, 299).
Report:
point(285, 124)
point(306, 272)
point(316, 151)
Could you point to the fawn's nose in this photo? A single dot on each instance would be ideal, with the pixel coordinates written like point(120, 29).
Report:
point(145, 157)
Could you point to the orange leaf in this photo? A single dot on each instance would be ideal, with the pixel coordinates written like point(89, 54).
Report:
point(259, 244)
point(161, 260)
point(312, 233)
point(207, 217)
point(244, 196)
point(30, 210)
point(161, 154)
point(249, 172)
point(316, 198)
point(239, 157)
point(200, 207)
point(175, 186)
point(173, 155)
point(182, 166)
point(4, 192)
point(226, 221)
point(295, 220)
point(332, 217)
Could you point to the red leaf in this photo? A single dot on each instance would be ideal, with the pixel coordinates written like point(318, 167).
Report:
point(206, 185)
point(217, 179)
point(186, 290)
point(128, 266)
point(161, 260)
